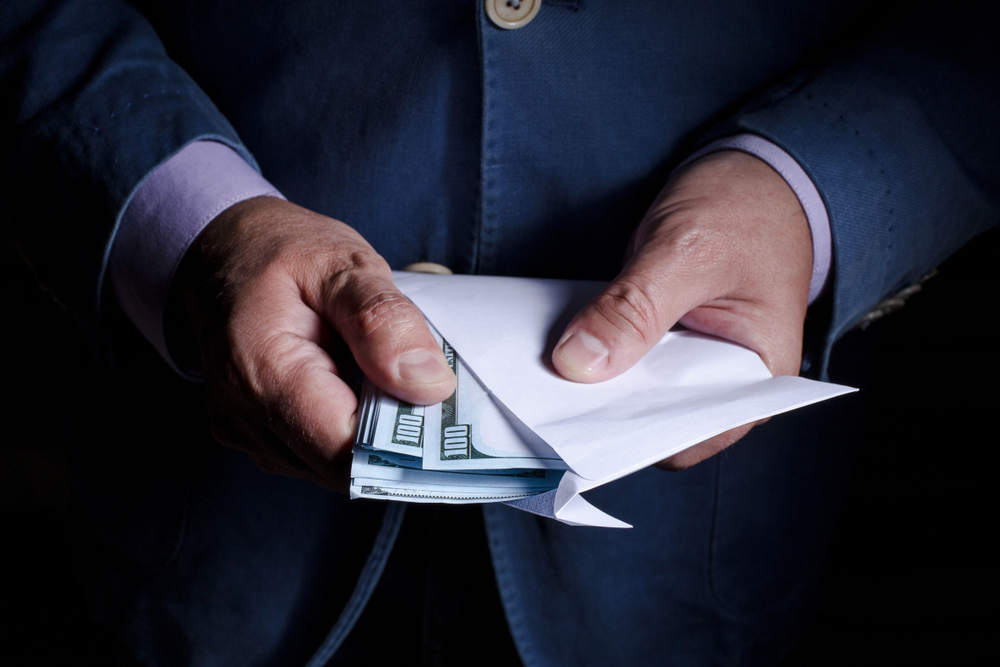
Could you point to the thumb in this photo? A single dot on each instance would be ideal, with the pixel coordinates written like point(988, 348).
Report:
point(628, 318)
point(388, 336)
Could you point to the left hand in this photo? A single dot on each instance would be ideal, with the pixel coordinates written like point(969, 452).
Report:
point(725, 250)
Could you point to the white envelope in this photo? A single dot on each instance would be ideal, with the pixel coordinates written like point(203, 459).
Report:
point(689, 387)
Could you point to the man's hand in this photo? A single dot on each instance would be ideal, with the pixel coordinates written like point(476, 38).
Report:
point(270, 288)
point(725, 250)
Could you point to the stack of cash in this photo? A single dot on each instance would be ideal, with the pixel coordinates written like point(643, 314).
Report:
point(467, 449)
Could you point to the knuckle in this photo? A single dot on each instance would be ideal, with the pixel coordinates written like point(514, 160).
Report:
point(383, 310)
point(352, 265)
point(366, 260)
point(629, 308)
point(369, 306)
point(378, 313)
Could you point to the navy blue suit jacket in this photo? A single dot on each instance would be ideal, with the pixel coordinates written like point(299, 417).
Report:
point(526, 152)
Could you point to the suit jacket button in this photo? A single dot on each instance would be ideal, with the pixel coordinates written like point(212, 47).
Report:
point(510, 14)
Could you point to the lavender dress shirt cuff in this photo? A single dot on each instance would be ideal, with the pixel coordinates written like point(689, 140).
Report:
point(802, 186)
point(166, 214)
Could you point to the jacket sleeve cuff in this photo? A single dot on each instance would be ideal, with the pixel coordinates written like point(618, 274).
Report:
point(801, 185)
point(170, 208)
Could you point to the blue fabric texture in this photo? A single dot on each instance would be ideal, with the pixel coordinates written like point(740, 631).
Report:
point(530, 152)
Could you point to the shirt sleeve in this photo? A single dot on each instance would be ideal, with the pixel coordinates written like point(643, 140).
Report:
point(168, 211)
point(800, 183)
point(92, 104)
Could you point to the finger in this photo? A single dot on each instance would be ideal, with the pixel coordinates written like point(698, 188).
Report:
point(707, 449)
point(257, 435)
point(261, 444)
point(264, 447)
point(632, 314)
point(316, 416)
point(285, 375)
point(302, 400)
point(777, 339)
point(387, 334)
point(279, 460)
point(726, 246)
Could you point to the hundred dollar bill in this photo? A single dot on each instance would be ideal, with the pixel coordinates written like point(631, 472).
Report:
point(402, 469)
point(471, 431)
point(468, 431)
point(389, 424)
point(468, 449)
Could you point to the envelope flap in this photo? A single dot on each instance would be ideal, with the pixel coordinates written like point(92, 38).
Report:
point(686, 389)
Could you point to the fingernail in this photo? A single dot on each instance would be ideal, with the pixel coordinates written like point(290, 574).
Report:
point(423, 367)
point(583, 352)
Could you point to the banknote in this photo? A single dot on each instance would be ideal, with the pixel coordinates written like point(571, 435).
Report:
point(379, 465)
point(389, 424)
point(383, 475)
point(467, 449)
point(470, 430)
point(415, 494)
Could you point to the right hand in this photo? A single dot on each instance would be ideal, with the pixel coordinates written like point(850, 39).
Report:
point(270, 287)
point(725, 250)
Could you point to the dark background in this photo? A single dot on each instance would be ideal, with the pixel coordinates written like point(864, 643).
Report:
point(910, 578)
